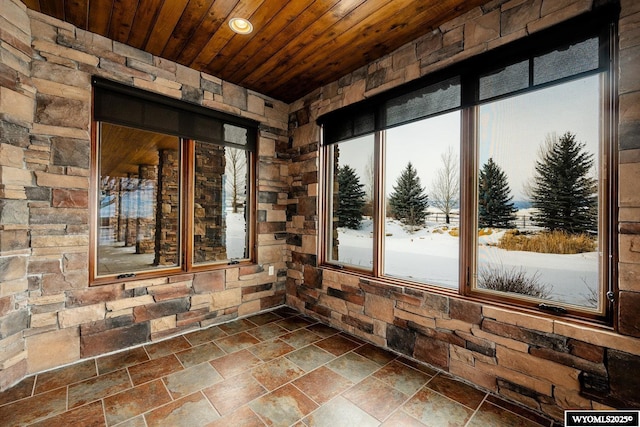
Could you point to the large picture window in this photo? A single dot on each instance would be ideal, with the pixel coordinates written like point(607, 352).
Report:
point(172, 185)
point(492, 179)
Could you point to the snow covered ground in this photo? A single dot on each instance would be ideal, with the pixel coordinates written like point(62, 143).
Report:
point(430, 255)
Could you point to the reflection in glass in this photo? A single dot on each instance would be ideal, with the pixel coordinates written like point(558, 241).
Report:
point(138, 200)
point(351, 184)
point(220, 203)
point(538, 195)
point(422, 190)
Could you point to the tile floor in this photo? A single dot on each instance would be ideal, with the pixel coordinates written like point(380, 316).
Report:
point(275, 369)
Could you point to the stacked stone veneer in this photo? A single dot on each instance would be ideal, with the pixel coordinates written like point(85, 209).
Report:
point(49, 315)
point(543, 362)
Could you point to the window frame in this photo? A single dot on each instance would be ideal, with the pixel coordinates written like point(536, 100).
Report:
point(601, 23)
point(187, 176)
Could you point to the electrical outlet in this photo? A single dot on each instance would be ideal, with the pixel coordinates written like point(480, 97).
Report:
point(271, 270)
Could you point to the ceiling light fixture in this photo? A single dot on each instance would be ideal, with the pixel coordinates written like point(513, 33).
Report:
point(240, 25)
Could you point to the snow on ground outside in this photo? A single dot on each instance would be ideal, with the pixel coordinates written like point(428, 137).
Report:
point(431, 257)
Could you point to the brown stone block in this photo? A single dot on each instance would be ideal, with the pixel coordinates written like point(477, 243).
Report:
point(12, 268)
point(114, 339)
point(376, 288)
point(358, 323)
point(52, 349)
point(13, 240)
point(58, 216)
point(13, 323)
point(12, 374)
point(593, 353)
point(56, 283)
point(69, 198)
point(466, 311)
point(355, 298)
point(623, 377)
point(432, 351)
point(629, 277)
point(94, 295)
point(312, 276)
point(160, 309)
point(401, 339)
point(569, 360)
point(210, 281)
point(553, 341)
point(250, 269)
point(629, 313)
point(194, 316)
point(536, 367)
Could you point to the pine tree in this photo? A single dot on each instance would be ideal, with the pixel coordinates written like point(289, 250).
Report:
point(408, 202)
point(495, 208)
point(351, 198)
point(563, 192)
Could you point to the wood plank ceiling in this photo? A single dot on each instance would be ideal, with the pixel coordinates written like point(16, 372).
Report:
point(296, 46)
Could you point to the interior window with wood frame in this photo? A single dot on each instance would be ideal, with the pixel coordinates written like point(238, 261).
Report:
point(171, 185)
point(493, 179)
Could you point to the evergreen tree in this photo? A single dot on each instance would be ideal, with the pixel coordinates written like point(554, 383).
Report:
point(495, 208)
point(408, 202)
point(351, 198)
point(563, 192)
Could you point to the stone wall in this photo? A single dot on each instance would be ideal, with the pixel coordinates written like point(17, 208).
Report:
point(49, 315)
point(543, 362)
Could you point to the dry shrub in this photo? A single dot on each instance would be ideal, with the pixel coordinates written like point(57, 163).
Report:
point(549, 242)
point(454, 232)
point(485, 232)
point(498, 278)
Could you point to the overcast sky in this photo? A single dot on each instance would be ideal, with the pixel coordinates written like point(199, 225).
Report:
point(511, 131)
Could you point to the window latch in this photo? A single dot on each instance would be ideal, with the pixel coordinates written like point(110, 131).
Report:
point(126, 276)
point(233, 262)
point(552, 308)
point(611, 297)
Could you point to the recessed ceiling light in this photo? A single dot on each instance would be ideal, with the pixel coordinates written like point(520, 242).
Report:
point(240, 25)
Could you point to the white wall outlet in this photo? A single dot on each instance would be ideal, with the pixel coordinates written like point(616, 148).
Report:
point(271, 272)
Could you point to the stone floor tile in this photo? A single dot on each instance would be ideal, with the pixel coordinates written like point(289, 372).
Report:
point(489, 415)
point(231, 394)
point(310, 357)
point(34, 408)
point(19, 391)
point(236, 342)
point(205, 335)
point(243, 417)
point(270, 350)
point(134, 422)
point(457, 390)
point(199, 354)
point(120, 360)
point(401, 419)
point(236, 326)
point(375, 397)
point(322, 384)
point(323, 330)
point(153, 369)
point(433, 409)
point(340, 413)
point(99, 387)
point(337, 345)
point(519, 410)
point(264, 318)
point(90, 415)
point(193, 410)
point(402, 377)
point(236, 363)
point(285, 311)
point(300, 338)
point(133, 402)
point(267, 332)
point(192, 379)
point(418, 366)
point(353, 366)
point(170, 346)
point(296, 322)
point(283, 406)
point(277, 372)
point(378, 355)
point(64, 376)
